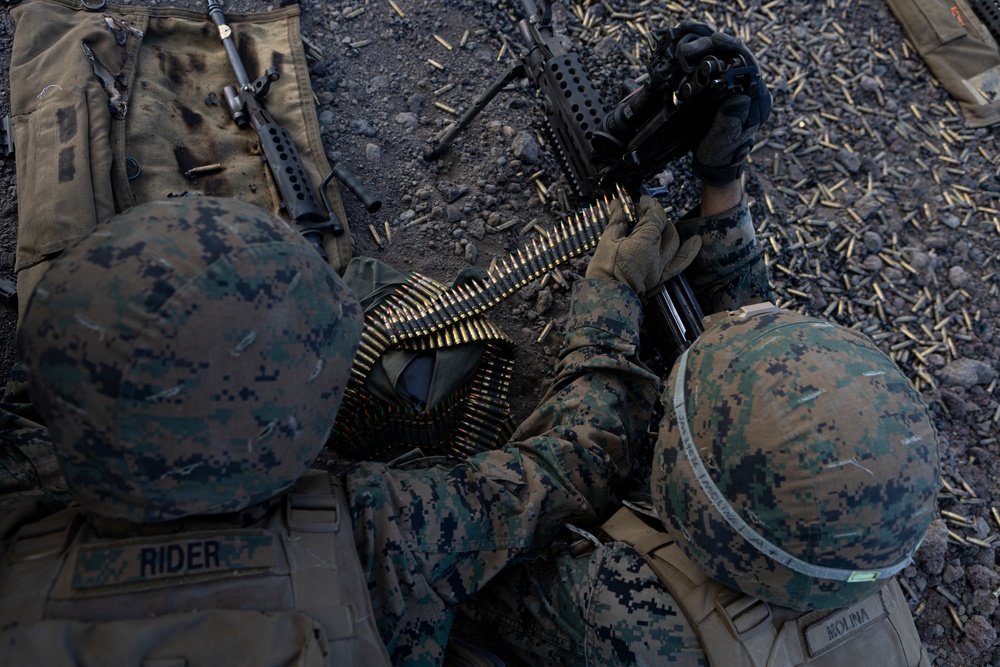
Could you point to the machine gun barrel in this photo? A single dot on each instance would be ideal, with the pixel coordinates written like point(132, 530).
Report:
point(225, 33)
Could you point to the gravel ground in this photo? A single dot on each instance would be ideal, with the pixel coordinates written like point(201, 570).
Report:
point(879, 208)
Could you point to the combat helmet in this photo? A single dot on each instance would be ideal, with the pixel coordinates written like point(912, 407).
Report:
point(794, 461)
point(188, 357)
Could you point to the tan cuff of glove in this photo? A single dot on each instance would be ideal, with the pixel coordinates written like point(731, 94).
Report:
point(648, 256)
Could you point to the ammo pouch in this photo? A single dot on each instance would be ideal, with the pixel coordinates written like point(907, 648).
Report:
point(737, 630)
point(960, 52)
point(111, 108)
point(287, 591)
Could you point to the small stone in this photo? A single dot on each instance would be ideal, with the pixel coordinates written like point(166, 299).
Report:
point(958, 276)
point(951, 221)
point(525, 147)
point(869, 84)
point(967, 373)
point(471, 253)
point(544, 301)
point(873, 263)
point(952, 573)
point(935, 543)
point(979, 635)
point(408, 120)
point(872, 241)
point(477, 228)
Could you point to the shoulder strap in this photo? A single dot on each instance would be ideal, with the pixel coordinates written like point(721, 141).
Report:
point(734, 628)
point(739, 630)
point(321, 541)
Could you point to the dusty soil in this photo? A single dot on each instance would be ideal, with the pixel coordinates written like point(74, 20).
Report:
point(878, 206)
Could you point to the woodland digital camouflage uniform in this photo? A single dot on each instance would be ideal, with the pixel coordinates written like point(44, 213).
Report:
point(630, 616)
point(429, 532)
point(729, 270)
point(607, 606)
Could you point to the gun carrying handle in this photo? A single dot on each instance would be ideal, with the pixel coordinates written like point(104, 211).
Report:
point(371, 203)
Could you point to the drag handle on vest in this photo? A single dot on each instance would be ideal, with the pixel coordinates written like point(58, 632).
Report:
point(246, 105)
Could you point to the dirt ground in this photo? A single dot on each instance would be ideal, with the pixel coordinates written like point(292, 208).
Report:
point(878, 206)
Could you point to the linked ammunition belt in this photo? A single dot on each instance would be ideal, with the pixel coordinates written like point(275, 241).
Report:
point(472, 419)
point(425, 315)
point(575, 235)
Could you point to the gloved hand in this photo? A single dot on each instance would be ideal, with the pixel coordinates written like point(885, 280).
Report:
point(646, 258)
point(719, 156)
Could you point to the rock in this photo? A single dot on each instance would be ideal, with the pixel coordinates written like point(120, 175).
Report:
point(872, 241)
point(362, 127)
point(980, 577)
point(850, 160)
point(373, 153)
point(873, 263)
point(869, 84)
point(477, 228)
point(471, 253)
point(958, 276)
point(452, 191)
point(967, 373)
point(951, 221)
point(979, 635)
point(525, 147)
point(952, 573)
point(415, 103)
point(935, 543)
point(544, 300)
point(408, 119)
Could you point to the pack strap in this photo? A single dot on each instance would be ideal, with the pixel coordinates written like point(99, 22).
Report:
point(734, 628)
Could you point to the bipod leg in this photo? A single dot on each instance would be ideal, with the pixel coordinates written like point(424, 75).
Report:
point(515, 71)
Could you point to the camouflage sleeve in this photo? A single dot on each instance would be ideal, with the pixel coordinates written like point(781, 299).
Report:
point(31, 482)
point(729, 272)
point(604, 608)
point(432, 533)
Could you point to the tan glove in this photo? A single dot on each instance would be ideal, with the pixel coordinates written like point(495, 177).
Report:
point(648, 257)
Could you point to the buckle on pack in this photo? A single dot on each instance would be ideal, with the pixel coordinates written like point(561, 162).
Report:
point(312, 513)
point(6, 137)
point(44, 538)
point(743, 614)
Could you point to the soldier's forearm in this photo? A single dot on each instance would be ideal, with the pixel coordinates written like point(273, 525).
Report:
point(717, 199)
point(729, 272)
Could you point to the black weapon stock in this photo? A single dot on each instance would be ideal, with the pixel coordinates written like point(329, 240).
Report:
point(299, 200)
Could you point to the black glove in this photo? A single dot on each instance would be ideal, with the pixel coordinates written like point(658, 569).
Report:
point(719, 156)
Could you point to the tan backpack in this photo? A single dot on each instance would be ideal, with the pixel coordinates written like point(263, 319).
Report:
point(289, 591)
point(113, 106)
point(737, 630)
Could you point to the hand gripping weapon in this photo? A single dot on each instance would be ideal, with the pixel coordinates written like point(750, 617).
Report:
point(601, 150)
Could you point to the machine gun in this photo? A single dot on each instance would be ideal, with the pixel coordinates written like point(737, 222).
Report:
point(246, 105)
point(601, 149)
point(988, 12)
